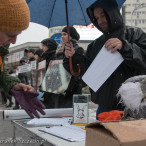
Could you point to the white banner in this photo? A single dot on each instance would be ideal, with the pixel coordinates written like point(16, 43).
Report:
point(42, 64)
point(33, 65)
point(24, 68)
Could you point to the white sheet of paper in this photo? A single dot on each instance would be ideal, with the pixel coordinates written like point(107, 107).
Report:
point(50, 121)
point(70, 133)
point(104, 64)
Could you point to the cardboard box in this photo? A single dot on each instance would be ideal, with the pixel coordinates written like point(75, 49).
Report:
point(119, 133)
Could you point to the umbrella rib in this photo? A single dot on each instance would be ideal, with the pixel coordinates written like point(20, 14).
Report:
point(82, 11)
point(52, 13)
point(27, 1)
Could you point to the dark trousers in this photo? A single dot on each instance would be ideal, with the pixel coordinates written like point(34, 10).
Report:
point(5, 97)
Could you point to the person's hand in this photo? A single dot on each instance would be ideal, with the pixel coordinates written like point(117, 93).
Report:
point(23, 87)
point(114, 44)
point(69, 50)
point(29, 102)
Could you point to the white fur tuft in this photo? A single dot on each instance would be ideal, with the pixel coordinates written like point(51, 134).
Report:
point(131, 95)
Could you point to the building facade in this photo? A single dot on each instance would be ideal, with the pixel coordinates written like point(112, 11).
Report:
point(135, 13)
point(17, 52)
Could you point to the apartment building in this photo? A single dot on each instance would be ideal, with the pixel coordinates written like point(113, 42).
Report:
point(135, 13)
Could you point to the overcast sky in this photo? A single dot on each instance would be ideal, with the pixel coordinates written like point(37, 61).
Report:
point(37, 32)
point(34, 33)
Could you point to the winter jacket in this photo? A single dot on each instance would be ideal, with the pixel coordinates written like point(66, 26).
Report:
point(24, 78)
point(31, 59)
point(48, 56)
point(60, 52)
point(6, 81)
point(75, 85)
point(133, 53)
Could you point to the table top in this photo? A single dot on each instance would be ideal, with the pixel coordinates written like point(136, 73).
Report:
point(48, 138)
point(55, 140)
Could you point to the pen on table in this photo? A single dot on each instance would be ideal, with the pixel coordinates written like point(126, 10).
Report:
point(52, 126)
point(83, 128)
point(80, 124)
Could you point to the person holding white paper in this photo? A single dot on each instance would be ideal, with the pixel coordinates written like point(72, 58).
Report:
point(130, 42)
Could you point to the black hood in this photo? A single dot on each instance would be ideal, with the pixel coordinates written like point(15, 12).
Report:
point(50, 43)
point(112, 13)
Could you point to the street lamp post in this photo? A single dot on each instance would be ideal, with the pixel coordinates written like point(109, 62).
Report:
point(123, 14)
point(138, 7)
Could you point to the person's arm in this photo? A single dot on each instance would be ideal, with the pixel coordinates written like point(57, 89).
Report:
point(23, 87)
point(134, 48)
point(7, 81)
point(77, 58)
point(24, 94)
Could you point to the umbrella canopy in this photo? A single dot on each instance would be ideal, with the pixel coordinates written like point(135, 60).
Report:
point(51, 13)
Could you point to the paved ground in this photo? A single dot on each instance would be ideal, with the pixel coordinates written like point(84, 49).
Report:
point(6, 131)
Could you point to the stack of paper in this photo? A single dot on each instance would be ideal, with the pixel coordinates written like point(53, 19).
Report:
point(50, 121)
point(70, 133)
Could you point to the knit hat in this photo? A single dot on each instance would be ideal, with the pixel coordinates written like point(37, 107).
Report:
point(29, 50)
point(73, 33)
point(23, 59)
point(50, 43)
point(38, 52)
point(14, 15)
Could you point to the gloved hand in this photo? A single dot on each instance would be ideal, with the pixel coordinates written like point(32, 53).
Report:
point(29, 102)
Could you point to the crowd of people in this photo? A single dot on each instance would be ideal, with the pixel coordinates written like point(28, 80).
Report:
point(130, 42)
point(49, 51)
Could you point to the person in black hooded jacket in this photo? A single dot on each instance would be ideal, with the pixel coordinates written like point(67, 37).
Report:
point(49, 47)
point(130, 42)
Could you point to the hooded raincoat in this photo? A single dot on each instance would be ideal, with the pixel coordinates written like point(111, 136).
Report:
point(133, 51)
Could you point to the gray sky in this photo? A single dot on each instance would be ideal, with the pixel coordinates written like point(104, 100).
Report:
point(34, 33)
point(37, 32)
